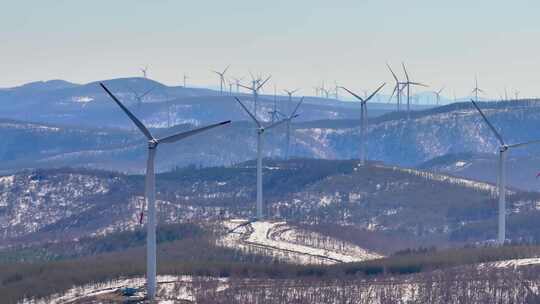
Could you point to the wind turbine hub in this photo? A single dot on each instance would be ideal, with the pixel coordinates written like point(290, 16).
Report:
point(260, 130)
point(503, 148)
point(152, 144)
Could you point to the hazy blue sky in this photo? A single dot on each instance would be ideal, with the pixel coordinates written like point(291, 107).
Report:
point(299, 42)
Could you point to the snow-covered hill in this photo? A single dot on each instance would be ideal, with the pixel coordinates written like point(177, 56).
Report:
point(67, 203)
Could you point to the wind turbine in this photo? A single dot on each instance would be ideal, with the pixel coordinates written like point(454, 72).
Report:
point(139, 97)
point(144, 71)
point(237, 83)
point(288, 131)
point(397, 88)
point(221, 79)
point(260, 132)
point(501, 175)
point(150, 186)
point(185, 78)
point(274, 113)
point(336, 90)
point(256, 86)
point(290, 93)
point(476, 89)
point(363, 119)
point(408, 85)
point(438, 94)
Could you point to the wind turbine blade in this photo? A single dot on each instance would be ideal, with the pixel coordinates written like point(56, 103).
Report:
point(179, 136)
point(225, 71)
point(261, 85)
point(499, 137)
point(524, 144)
point(217, 73)
point(391, 71)
point(297, 106)
point(276, 124)
point(405, 85)
point(136, 121)
point(295, 90)
point(393, 92)
point(405, 70)
point(440, 91)
point(419, 84)
point(376, 91)
point(353, 94)
point(249, 113)
point(245, 87)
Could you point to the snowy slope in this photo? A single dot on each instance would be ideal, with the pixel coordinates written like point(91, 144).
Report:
point(282, 241)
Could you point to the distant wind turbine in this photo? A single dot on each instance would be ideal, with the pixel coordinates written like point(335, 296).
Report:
point(363, 119)
point(289, 119)
point(186, 77)
point(408, 84)
point(288, 130)
point(140, 97)
point(150, 186)
point(476, 89)
point(260, 132)
point(144, 71)
point(397, 88)
point(256, 86)
point(438, 95)
point(221, 79)
point(501, 175)
point(237, 83)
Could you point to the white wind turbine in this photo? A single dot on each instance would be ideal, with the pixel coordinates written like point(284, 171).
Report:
point(256, 86)
point(288, 130)
point(221, 79)
point(397, 88)
point(476, 89)
point(363, 120)
point(140, 97)
point(237, 83)
point(290, 93)
point(150, 186)
point(438, 95)
point(408, 85)
point(260, 132)
point(144, 71)
point(501, 175)
point(185, 78)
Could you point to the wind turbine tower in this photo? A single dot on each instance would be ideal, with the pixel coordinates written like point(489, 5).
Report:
point(185, 78)
point(363, 119)
point(261, 129)
point(144, 72)
point(150, 193)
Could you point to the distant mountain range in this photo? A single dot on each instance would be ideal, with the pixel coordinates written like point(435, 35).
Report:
point(61, 102)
